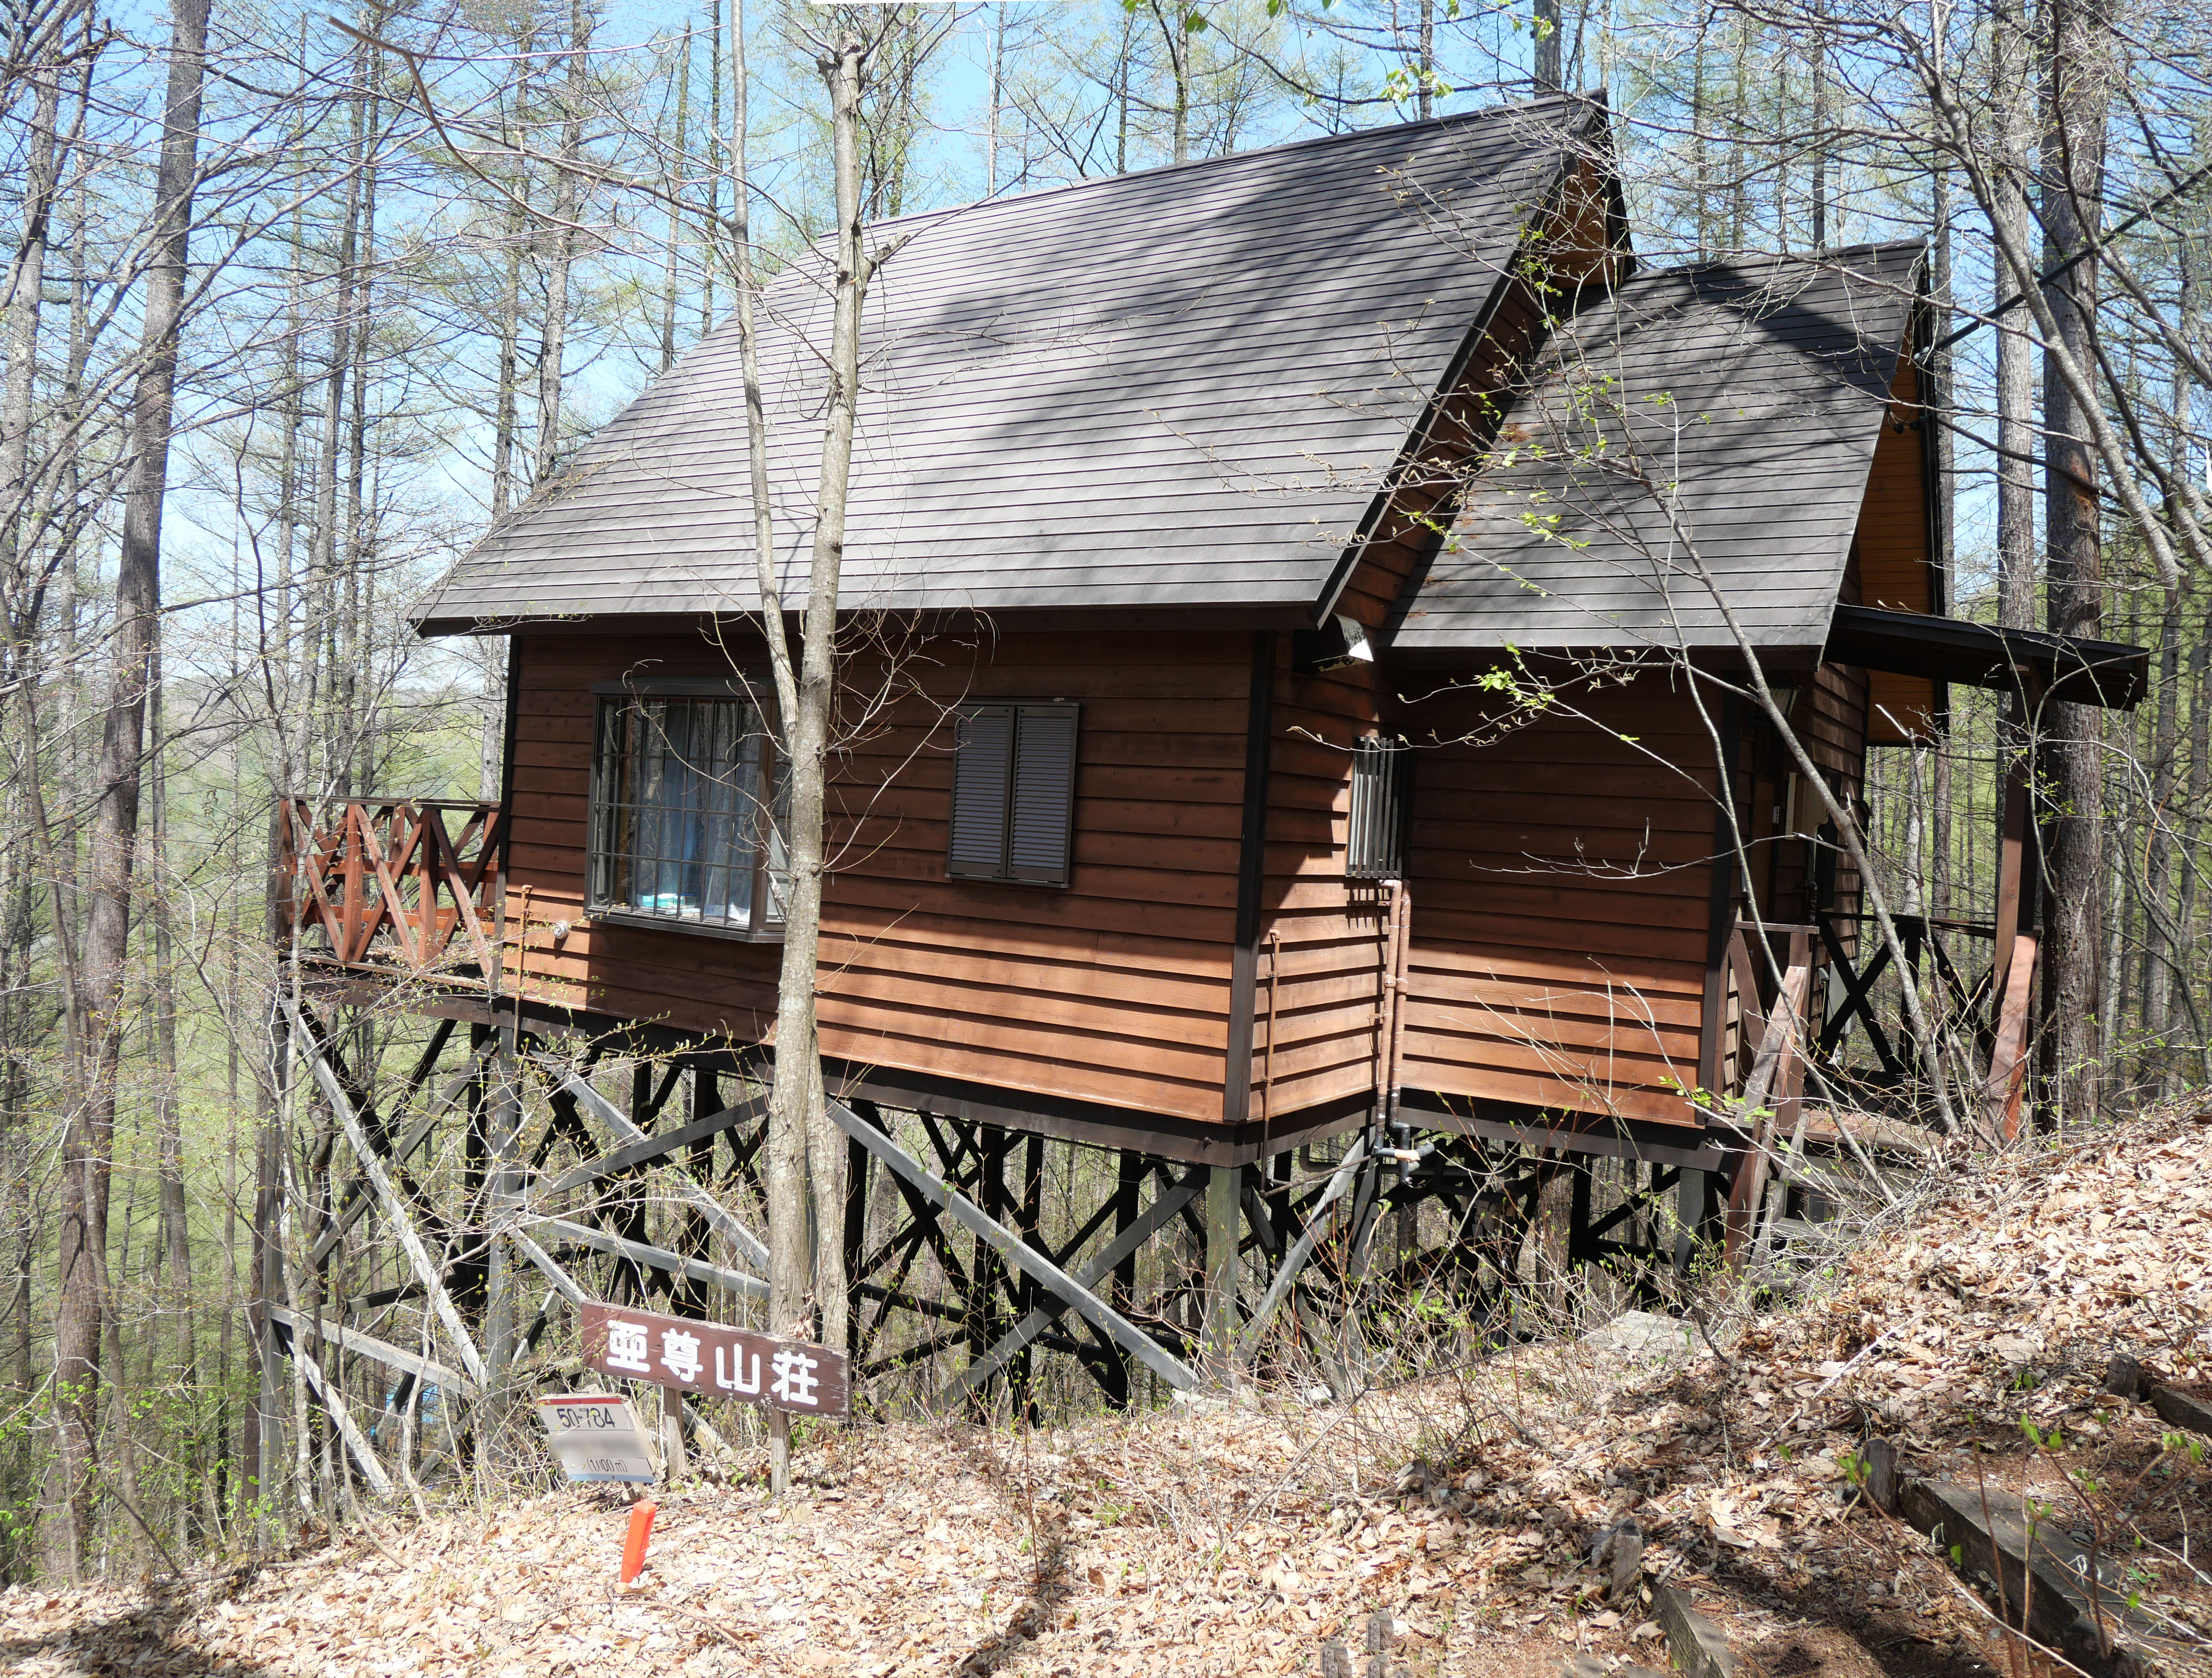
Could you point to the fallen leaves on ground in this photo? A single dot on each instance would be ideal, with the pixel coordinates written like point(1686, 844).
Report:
point(1232, 1539)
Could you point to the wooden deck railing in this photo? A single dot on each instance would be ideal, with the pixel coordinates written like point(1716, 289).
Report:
point(1763, 1051)
point(1767, 1104)
point(387, 882)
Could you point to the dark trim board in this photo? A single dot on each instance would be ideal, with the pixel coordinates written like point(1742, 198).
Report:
point(1251, 871)
point(1676, 1145)
point(715, 626)
point(1188, 1141)
point(1721, 895)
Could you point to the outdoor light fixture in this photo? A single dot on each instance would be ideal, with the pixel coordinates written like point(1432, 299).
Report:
point(1342, 640)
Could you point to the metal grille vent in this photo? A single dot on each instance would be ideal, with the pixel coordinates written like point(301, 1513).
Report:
point(1381, 770)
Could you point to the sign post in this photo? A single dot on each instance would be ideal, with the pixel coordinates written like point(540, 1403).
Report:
point(688, 1356)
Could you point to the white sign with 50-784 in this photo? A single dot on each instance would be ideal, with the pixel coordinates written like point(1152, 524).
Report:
point(596, 1437)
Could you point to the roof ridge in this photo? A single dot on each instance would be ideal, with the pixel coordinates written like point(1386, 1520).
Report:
point(1807, 258)
point(1589, 101)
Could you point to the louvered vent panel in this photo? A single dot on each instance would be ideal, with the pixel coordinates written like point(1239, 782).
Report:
point(1377, 846)
point(982, 770)
point(1044, 794)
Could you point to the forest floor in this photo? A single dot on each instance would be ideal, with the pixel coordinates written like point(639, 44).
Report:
point(1233, 1538)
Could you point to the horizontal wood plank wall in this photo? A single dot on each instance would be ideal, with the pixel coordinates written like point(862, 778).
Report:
point(1571, 247)
point(1835, 735)
point(1560, 880)
point(1319, 976)
point(1895, 568)
point(1112, 990)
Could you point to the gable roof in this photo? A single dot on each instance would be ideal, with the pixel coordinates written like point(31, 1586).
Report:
point(1746, 396)
point(1181, 387)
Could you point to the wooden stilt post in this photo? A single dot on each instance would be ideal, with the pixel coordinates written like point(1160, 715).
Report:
point(1224, 1226)
point(1579, 1250)
point(503, 1101)
point(856, 1232)
point(1128, 1178)
point(1693, 1209)
point(1026, 1292)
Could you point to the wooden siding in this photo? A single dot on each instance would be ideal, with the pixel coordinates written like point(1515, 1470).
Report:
point(1560, 880)
point(1322, 934)
point(1895, 569)
point(1830, 719)
point(1114, 989)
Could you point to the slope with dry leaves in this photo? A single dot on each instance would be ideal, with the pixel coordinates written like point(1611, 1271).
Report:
point(1230, 1538)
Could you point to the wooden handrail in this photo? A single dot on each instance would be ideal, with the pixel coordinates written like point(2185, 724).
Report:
point(390, 883)
point(2008, 1080)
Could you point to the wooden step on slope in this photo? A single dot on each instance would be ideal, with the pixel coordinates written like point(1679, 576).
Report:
point(2048, 1585)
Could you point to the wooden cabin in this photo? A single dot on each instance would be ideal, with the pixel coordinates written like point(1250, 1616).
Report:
point(1264, 576)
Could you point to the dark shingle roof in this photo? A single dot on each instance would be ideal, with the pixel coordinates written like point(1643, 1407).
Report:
point(1174, 388)
point(1746, 396)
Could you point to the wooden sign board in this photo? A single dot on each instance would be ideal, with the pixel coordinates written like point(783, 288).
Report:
point(596, 1437)
point(689, 1356)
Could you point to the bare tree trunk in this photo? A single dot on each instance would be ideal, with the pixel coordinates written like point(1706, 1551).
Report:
point(510, 319)
point(175, 1244)
point(997, 94)
point(1821, 161)
point(1739, 162)
point(2158, 946)
point(89, 1140)
point(2077, 91)
point(1121, 68)
point(1171, 22)
point(1701, 165)
point(2194, 814)
point(789, 1099)
point(27, 276)
point(565, 198)
point(1945, 479)
point(714, 141)
point(1547, 48)
point(675, 218)
point(801, 1144)
point(357, 718)
point(2161, 937)
point(1426, 44)
point(326, 589)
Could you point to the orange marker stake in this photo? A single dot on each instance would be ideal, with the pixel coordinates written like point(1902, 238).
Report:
point(641, 1531)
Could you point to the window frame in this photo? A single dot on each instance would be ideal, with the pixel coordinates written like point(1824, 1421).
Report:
point(764, 924)
point(1004, 874)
